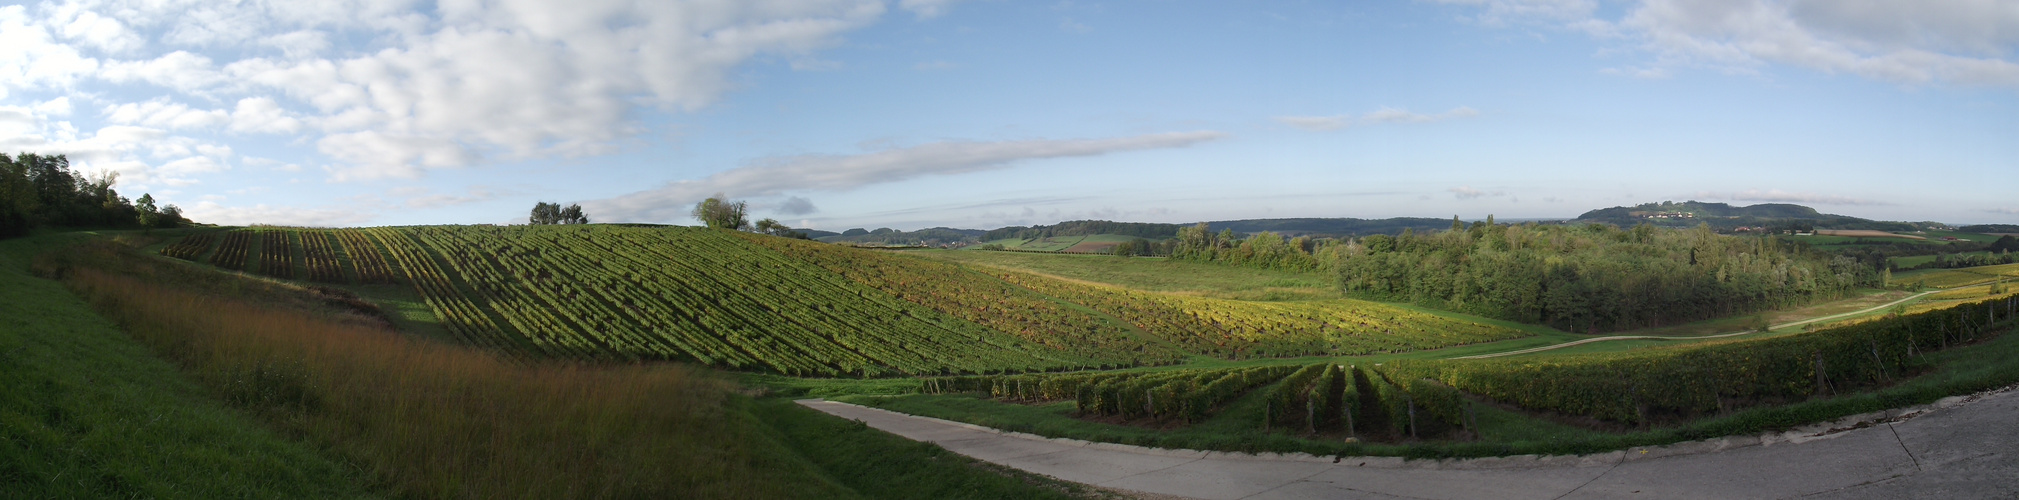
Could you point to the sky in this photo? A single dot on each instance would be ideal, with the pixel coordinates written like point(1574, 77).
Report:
point(836, 114)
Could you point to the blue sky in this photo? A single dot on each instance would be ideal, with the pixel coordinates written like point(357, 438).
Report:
point(835, 114)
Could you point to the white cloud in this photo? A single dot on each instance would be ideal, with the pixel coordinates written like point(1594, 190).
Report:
point(180, 71)
point(90, 29)
point(30, 58)
point(427, 85)
point(264, 116)
point(1966, 42)
point(1779, 196)
point(1379, 116)
point(161, 113)
point(925, 9)
point(777, 175)
point(2006, 211)
point(214, 213)
point(59, 106)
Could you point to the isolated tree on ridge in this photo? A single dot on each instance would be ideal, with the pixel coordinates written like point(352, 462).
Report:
point(720, 213)
point(551, 213)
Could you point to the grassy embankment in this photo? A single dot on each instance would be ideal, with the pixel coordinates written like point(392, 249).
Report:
point(417, 418)
point(89, 413)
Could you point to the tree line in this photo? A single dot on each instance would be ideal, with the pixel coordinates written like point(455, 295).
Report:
point(1596, 277)
point(1585, 278)
point(42, 191)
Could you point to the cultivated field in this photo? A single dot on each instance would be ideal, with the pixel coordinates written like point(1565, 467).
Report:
point(752, 302)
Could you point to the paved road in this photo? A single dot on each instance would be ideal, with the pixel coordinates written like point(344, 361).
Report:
point(1720, 335)
point(1960, 448)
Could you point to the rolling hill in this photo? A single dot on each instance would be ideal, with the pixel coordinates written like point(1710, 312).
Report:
point(753, 302)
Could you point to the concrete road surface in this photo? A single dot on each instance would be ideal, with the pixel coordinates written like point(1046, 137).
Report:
point(1961, 448)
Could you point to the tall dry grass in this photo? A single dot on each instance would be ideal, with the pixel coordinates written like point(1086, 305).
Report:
point(441, 421)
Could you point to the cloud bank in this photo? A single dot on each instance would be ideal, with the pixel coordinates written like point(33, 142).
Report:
point(778, 175)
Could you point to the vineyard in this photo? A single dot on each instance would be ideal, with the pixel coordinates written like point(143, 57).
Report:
point(1678, 383)
point(365, 258)
point(322, 257)
point(1234, 329)
point(698, 295)
point(276, 254)
point(1312, 399)
point(231, 254)
point(978, 298)
point(190, 248)
point(748, 301)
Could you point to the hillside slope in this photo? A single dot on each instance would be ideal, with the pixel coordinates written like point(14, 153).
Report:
point(752, 302)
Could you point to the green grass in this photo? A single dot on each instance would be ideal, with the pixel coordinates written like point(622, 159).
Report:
point(92, 413)
point(879, 464)
point(1157, 274)
point(89, 413)
point(1981, 238)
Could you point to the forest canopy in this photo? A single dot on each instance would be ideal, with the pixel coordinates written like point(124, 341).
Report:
point(42, 191)
point(1596, 277)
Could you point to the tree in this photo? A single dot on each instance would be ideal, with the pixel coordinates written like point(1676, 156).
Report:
point(42, 191)
point(573, 215)
point(551, 213)
point(772, 227)
point(171, 217)
point(149, 215)
point(720, 213)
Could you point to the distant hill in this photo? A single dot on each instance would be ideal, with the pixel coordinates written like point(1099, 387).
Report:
point(891, 237)
point(1991, 229)
point(1725, 217)
point(1332, 227)
point(1144, 230)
